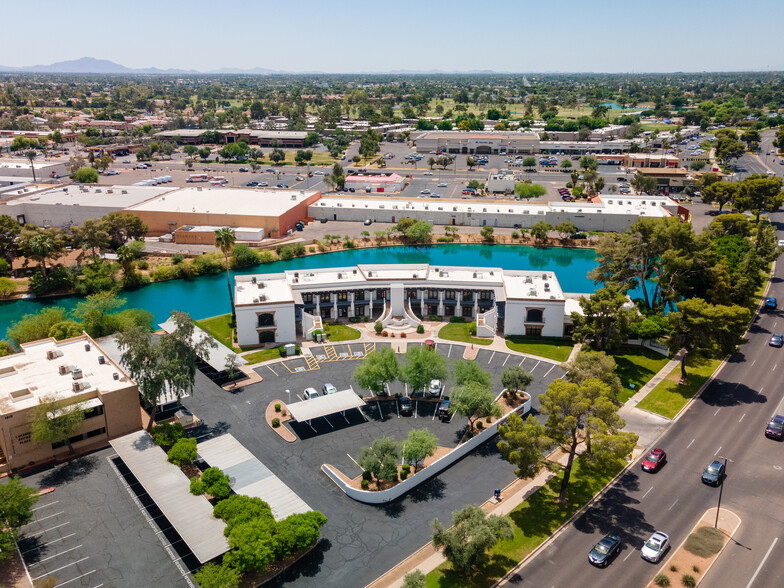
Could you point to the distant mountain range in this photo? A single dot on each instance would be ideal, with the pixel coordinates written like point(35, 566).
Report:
point(91, 65)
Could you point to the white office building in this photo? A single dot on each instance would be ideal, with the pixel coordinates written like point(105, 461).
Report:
point(278, 308)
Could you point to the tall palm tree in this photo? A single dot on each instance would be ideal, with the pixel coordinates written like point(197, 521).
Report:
point(224, 240)
point(31, 155)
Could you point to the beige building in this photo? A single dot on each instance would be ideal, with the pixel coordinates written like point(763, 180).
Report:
point(76, 371)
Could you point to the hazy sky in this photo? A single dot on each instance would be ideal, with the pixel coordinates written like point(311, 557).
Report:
point(354, 35)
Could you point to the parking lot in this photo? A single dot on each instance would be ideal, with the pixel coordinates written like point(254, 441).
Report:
point(360, 541)
point(93, 531)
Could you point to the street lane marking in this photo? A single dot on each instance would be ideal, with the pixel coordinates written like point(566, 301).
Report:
point(762, 563)
point(717, 411)
point(774, 367)
point(753, 362)
point(689, 445)
point(646, 494)
point(741, 418)
point(674, 503)
point(717, 451)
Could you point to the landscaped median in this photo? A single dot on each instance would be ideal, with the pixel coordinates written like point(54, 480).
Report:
point(692, 560)
point(670, 396)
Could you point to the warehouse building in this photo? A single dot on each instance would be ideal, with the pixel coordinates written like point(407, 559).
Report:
point(262, 138)
point(44, 169)
point(75, 371)
point(277, 308)
point(276, 211)
point(477, 142)
point(375, 182)
point(606, 213)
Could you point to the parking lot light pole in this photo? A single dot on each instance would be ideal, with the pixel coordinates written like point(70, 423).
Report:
point(721, 488)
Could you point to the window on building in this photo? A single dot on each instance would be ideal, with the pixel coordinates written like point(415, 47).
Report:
point(468, 295)
point(359, 295)
point(342, 296)
point(534, 315)
point(325, 297)
point(82, 437)
point(93, 412)
point(533, 331)
point(485, 295)
point(307, 298)
point(432, 293)
point(267, 337)
point(450, 295)
point(359, 310)
point(266, 319)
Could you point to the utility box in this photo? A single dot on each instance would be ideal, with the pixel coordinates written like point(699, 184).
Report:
point(289, 349)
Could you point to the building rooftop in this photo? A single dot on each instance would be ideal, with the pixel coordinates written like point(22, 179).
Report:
point(51, 369)
point(219, 200)
point(389, 178)
point(521, 285)
point(267, 288)
point(41, 164)
point(77, 195)
point(478, 135)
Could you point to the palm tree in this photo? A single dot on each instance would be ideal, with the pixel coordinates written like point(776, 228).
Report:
point(31, 154)
point(224, 240)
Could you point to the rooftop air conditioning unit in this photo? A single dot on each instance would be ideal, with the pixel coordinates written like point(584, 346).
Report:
point(255, 300)
point(295, 280)
point(355, 272)
point(544, 276)
point(63, 369)
point(123, 191)
point(78, 386)
point(87, 347)
point(76, 373)
point(116, 376)
point(110, 191)
point(528, 280)
point(98, 190)
point(253, 280)
point(340, 276)
point(532, 292)
point(51, 354)
point(547, 287)
point(415, 275)
point(262, 298)
point(101, 359)
point(296, 275)
point(198, 188)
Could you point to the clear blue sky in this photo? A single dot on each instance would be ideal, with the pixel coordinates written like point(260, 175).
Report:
point(355, 35)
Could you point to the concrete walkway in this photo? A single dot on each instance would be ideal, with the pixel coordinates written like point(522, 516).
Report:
point(655, 380)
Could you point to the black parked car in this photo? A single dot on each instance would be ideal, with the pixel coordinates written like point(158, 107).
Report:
point(603, 552)
point(406, 406)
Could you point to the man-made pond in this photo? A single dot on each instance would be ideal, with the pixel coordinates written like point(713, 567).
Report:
point(207, 295)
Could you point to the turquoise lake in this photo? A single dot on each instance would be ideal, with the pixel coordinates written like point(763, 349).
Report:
point(207, 296)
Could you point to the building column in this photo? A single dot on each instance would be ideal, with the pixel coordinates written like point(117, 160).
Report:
point(422, 302)
point(318, 305)
point(333, 313)
point(369, 295)
point(440, 303)
point(459, 301)
point(475, 310)
point(351, 308)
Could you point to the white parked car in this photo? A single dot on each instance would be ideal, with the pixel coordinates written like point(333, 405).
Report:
point(310, 393)
point(781, 242)
point(435, 388)
point(655, 547)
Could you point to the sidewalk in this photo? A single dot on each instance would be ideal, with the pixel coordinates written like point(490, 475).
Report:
point(655, 380)
point(429, 558)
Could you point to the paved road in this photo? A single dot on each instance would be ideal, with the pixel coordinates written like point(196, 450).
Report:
point(728, 420)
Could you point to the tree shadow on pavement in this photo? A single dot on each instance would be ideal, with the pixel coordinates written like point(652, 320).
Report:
point(723, 393)
point(308, 566)
point(432, 489)
point(70, 471)
point(616, 512)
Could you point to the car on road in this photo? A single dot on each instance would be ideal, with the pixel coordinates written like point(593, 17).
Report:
point(776, 340)
point(141, 166)
point(328, 388)
point(435, 195)
point(318, 173)
point(310, 393)
point(126, 161)
point(270, 170)
point(281, 185)
point(775, 428)
point(435, 388)
point(620, 179)
point(425, 191)
point(654, 460)
point(771, 303)
point(299, 178)
point(603, 552)
point(252, 184)
point(323, 220)
point(367, 222)
point(714, 473)
point(654, 548)
point(441, 185)
point(263, 184)
point(244, 169)
point(406, 406)
point(428, 173)
point(112, 172)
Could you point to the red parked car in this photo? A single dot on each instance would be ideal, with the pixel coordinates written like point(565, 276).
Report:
point(654, 460)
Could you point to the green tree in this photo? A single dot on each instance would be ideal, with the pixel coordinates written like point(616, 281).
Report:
point(95, 313)
point(415, 579)
point(643, 184)
point(16, 510)
point(35, 326)
point(589, 163)
point(41, 245)
point(213, 481)
point(470, 162)
point(523, 190)
point(422, 365)
point(381, 458)
point(529, 162)
point(419, 445)
point(728, 147)
point(7, 287)
point(720, 192)
point(566, 164)
point(183, 451)
point(91, 235)
point(86, 175)
point(419, 232)
point(166, 366)
point(213, 575)
point(431, 161)
point(473, 533)
point(277, 155)
point(379, 368)
point(487, 233)
point(539, 230)
point(225, 240)
point(516, 379)
point(55, 421)
point(368, 143)
point(123, 227)
point(596, 365)
point(759, 194)
point(474, 401)
point(466, 371)
point(204, 152)
point(604, 322)
point(9, 235)
point(713, 330)
point(566, 229)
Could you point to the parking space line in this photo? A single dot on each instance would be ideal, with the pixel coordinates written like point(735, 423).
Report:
point(689, 445)
point(45, 505)
point(37, 547)
point(354, 460)
point(47, 530)
point(505, 360)
point(674, 503)
point(40, 561)
point(717, 411)
point(630, 552)
point(273, 371)
point(381, 414)
point(491, 358)
point(536, 366)
point(741, 418)
point(62, 568)
point(521, 363)
point(76, 578)
point(449, 352)
point(717, 451)
point(57, 514)
point(548, 372)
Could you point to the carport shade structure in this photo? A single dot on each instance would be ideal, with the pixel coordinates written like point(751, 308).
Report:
point(307, 410)
point(191, 516)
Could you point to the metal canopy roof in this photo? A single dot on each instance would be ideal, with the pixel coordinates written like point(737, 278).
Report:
point(191, 516)
point(250, 477)
point(307, 410)
point(217, 356)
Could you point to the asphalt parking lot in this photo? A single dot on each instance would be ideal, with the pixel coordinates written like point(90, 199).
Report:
point(360, 541)
point(91, 531)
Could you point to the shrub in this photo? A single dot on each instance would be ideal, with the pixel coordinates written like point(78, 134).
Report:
point(183, 451)
point(384, 334)
point(316, 332)
point(312, 249)
point(208, 263)
point(402, 335)
point(378, 327)
point(162, 273)
point(243, 256)
point(276, 422)
point(469, 434)
point(214, 575)
point(177, 258)
point(688, 581)
point(364, 484)
point(284, 413)
point(277, 407)
point(695, 569)
point(392, 335)
point(167, 433)
point(489, 420)
point(456, 319)
point(366, 475)
point(267, 256)
point(479, 425)
point(661, 580)
point(213, 481)
point(505, 394)
point(515, 235)
point(420, 328)
point(403, 475)
point(704, 542)
point(406, 467)
point(472, 328)
point(299, 249)
point(673, 568)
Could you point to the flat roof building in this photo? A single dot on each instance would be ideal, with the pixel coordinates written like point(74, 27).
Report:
point(44, 168)
point(263, 138)
point(276, 308)
point(477, 142)
point(76, 372)
point(376, 182)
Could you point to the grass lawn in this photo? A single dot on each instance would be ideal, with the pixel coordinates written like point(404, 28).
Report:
point(341, 333)
point(551, 348)
point(668, 398)
point(459, 332)
point(262, 355)
point(636, 366)
point(218, 327)
point(533, 521)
